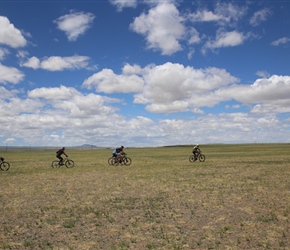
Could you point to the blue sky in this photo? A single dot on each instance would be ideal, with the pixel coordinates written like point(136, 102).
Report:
point(144, 73)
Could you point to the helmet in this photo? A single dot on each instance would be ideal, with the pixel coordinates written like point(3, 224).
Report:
point(63, 148)
point(122, 146)
point(197, 145)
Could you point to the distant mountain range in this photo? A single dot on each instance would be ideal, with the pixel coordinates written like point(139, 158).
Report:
point(88, 146)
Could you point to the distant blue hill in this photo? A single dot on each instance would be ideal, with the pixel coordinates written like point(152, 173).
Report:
point(88, 146)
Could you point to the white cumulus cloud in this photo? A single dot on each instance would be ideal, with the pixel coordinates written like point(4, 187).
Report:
point(121, 4)
point(225, 39)
point(268, 95)
point(162, 27)
point(172, 87)
point(75, 24)
point(56, 63)
point(222, 13)
point(58, 93)
point(9, 35)
point(10, 75)
point(108, 82)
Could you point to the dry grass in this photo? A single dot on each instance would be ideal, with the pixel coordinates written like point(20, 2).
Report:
point(239, 198)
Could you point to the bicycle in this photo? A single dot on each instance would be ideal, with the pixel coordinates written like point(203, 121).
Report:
point(4, 165)
point(199, 156)
point(114, 161)
point(66, 162)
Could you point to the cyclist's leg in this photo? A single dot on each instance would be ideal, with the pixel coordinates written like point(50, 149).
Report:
point(60, 159)
point(119, 157)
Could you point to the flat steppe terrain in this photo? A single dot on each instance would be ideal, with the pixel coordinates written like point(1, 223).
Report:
point(239, 198)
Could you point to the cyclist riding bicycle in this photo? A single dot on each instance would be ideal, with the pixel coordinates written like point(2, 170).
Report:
point(118, 152)
point(59, 153)
point(196, 150)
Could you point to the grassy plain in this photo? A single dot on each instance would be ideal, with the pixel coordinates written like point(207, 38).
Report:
point(239, 198)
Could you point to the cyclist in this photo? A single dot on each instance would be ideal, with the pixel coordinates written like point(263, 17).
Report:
point(118, 152)
point(59, 153)
point(196, 150)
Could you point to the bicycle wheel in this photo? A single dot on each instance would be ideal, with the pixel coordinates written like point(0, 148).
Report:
point(55, 164)
point(127, 161)
point(201, 158)
point(192, 158)
point(4, 166)
point(69, 163)
point(110, 161)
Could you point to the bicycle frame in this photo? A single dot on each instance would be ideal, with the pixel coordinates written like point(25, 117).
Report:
point(65, 162)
